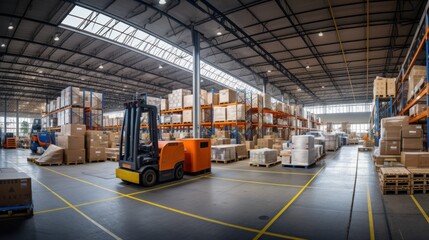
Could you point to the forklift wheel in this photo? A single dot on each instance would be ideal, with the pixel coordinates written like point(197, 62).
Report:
point(149, 178)
point(178, 173)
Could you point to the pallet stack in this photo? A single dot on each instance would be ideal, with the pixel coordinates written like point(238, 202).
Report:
point(419, 180)
point(394, 180)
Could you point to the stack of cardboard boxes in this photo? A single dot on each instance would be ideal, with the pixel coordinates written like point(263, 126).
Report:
point(176, 98)
point(416, 80)
point(412, 138)
point(96, 144)
point(384, 87)
point(15, 189)
point(390, 141)
point(72, 139)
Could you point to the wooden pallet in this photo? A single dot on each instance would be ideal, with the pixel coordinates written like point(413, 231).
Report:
point(392, 173)
point(298, 166)
point(394, 183)
point(395, 191)
point(91, 161)
point(242, 157)
point(419, 182)
point(48, 163)
point(113, 159)
point(16, 211)
point(223, 161)
point(264, 164)
point(418, 190)
point(419, 173)
point(74, 163)
point(365, 149)
point(32, 159)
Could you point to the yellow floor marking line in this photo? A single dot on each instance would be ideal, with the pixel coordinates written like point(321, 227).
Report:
point(422, 211)
point(370, 219)
point(255, 182)
point(79, 211)
point(117, 197)
point(271, 222)
point(180, 211)
point(261, 171)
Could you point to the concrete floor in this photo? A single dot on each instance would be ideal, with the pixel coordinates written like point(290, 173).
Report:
point(235, 201)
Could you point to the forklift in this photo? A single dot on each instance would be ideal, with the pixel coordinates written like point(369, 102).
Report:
point(147, 161)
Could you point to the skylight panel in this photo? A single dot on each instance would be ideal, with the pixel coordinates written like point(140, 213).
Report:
point(81, 19)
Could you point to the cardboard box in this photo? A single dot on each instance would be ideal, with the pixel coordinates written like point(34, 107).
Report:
point(15, 189)
point(164, 104)
point(219, 114)
point(257, 101)
point(236, 112)
point(265, 143)
point(391, 133)
point(73, 130)
point(389, 147)
point(73, 96)
point(74, 156)
point(391, 86)
point(380, 87)
point(96, 139)
point(212, 98)
point(187, 116)
point(176, 118)
point(412, 144)
point(250, 145)
point(114, 139)
point(71, 142)
point(188, 101)
point(412, 131)
point(415, 159)
point(95, 154)
point(266, 101)
point(417, 109)
point(227, 96)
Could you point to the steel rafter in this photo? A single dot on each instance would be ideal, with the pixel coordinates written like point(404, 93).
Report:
point(231, 27)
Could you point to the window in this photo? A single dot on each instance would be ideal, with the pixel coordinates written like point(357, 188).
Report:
point(339, 108)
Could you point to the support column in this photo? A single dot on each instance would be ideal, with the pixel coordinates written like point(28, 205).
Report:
point(196, 109)
point(5, 111)
point(264, 87)
point(17, 118)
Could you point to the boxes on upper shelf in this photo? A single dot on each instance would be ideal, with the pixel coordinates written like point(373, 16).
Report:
point(227, 96)
point(414, 78)
point(417, 109)
point(93, 100)
point(257, 101)
point(219, 114)
point(187, 116)
point(266, 101)
point(164, 104)
point(72, 96)
point(236, 112)
point(188, 100)
point(176, 99)
point(380, 87)
point(212, 98)
point(176, 118)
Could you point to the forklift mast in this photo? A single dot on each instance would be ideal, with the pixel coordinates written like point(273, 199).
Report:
point(135, 153)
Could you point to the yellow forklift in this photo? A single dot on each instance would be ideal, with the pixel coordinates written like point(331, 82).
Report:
point(147, 162)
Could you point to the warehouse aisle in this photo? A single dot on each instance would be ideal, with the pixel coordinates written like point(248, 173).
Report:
point(236, 201)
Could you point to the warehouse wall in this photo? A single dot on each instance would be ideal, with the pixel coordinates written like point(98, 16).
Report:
point(362, 117)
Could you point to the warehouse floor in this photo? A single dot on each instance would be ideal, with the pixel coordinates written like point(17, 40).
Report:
point(235, 201)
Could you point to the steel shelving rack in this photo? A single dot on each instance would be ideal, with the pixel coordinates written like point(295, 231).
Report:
point(419, 49)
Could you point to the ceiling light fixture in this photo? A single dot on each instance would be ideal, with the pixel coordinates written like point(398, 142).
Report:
point(218, 33)
point(308, 66)
point(56, 38)
point(321, 34)
point(323, 86)
point(299, 89)
point(3, 45)
point(40, 71)
point(10, 26)
point(160, 66)
point(101, 66)
point(269, 71)
point(162, 2)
